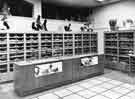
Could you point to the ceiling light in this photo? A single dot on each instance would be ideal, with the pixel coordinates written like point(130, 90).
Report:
point(100, 0)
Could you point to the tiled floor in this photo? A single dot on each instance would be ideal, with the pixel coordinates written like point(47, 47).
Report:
point(100, 87)
point(89, 89)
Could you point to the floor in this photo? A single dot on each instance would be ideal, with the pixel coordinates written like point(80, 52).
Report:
point(111, 85)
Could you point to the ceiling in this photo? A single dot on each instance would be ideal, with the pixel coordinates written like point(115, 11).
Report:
point(81, 3)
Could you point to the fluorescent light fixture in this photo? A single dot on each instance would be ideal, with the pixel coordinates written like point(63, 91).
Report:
point(100, 0)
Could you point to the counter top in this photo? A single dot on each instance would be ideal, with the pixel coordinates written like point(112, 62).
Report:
point(26, 63)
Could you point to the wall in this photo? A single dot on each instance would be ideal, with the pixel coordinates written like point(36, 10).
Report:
point(37, 7)
point(120, 11)
point(24, 23)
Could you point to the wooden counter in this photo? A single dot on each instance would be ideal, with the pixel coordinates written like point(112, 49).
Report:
point(40, 75)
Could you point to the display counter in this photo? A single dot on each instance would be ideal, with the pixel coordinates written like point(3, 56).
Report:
point(39, 75)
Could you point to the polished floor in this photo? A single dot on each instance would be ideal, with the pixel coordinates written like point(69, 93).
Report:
point(111, 85)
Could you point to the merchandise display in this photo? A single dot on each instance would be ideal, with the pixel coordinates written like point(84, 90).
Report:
point(44, 74)
point(16, 47)
point(118, 47)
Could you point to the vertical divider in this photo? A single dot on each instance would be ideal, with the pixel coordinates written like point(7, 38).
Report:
point(63, 43)
point(25, 50)
point(90, 42)
point(39, 45)
point(118, 49)
point(8, 52)
point(96, 42)
point(73, 44)
point(52, 43)
point(82, 41)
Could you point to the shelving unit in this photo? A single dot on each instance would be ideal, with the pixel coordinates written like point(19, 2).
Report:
point(117, 47)
point(46, 45)
point(68, 44)
point(3, 53)
point(78, 43)
point(132, 63)
point(16, 47)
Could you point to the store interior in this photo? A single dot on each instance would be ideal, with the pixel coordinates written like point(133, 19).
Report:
point(67, 49)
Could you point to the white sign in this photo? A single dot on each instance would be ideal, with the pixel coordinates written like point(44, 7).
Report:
point(47, 69)
point(88, 61)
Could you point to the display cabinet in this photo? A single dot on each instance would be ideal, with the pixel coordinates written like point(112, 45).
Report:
point(46, 45)
point(16, 47)
point(3, 53)
point(118, 45)
point(68, 44)
point(132, 64)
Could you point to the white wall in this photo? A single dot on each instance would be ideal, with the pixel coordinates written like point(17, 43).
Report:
point(24, 23)
point(37, 7)
point(120, 11)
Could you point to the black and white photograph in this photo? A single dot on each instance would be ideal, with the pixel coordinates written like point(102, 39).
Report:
point(67, 49)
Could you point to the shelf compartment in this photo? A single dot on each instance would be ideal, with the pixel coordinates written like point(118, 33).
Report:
point(86, 50)
point(57, 53)
point(46, 37)
point(78, 37)
point(124, 59)
point(57, 37)
point(124, 52)
point(68, 52)
point(57, 45)
point(93, 36)
point(11, 67)
point(111, 36)
point(68, 37)
point(86, 43)
point(3, 58)
point(111, 44)
point(78, 44)
point(111, 58)
point(3, 35)
point(3, 41)
point(32, 55)
point(68, 44)
point(46, 54)
point(3, 68)
point(93, 43)
point(126, 44)
point(86, 37)
point(94, 49)
point(78, 51)
point(128, 36)
point(111, 51)
point(3, 50)
point(16, 38)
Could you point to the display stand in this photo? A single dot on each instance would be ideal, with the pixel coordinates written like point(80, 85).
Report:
point(39, 75)
point(34, 45)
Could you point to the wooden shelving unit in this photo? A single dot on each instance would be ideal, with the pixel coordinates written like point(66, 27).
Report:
point(117, 47)
point(16, 47)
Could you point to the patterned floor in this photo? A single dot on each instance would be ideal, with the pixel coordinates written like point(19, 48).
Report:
point(100, 87)
point(95, 88)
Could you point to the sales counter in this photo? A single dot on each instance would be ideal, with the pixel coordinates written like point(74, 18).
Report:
point(39, 75)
